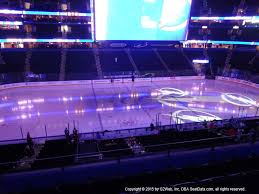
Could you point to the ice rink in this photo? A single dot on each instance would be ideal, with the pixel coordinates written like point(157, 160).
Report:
point(113, 106)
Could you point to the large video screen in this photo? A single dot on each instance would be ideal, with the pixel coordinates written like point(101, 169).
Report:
point(154, 20)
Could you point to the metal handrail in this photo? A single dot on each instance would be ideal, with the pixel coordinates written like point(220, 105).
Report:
point(93, 134)
point(94, 154)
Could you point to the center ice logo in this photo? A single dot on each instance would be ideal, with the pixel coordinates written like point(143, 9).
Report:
point(168, 96)
point(172, 91)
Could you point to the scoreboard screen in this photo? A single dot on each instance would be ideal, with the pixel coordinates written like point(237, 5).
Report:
point(151, 20)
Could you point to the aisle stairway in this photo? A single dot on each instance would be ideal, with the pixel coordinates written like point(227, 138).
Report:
point(62, 72)
point(28, 61)
point(227, 62)
point(26, 161)
point(98, 63)
point(135, 145)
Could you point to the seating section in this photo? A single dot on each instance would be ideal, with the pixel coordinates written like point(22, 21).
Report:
point(173, 138)
point(217, 59)
point(52, 152)
point(222, 32)
point(240, 60)
point(115, 148)
point(194, 54)
point(80, 5)
point(249, 34)
point(46, 31)
point(45, 62)
point(14, 61)
point(88, 147)
point(80, 31)
point(11, 153)
point(256, 65)
point(88, 151)
point(176, 61)
point(80, 65)
point(194, 33)
point(219, 33)
point(234, 173)
point(14, 4)
point(12, 33)
point(45, 5)
point(218, 9)
point(195, 10)
point(146, 60)
point(60, 153)
point(115, 60)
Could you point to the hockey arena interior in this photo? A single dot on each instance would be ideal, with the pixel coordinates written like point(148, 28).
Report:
point(129, 96)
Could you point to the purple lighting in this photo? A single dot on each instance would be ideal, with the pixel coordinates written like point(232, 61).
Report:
point(176, 100)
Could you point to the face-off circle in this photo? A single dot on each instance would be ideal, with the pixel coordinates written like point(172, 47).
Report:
point(238, 99)
point(185, 116)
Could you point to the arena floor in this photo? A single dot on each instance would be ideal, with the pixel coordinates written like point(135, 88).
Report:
point(120, 105)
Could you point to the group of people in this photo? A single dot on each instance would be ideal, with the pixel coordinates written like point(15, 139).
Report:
point(234, 127)
point(29, 148)
point(73, 138)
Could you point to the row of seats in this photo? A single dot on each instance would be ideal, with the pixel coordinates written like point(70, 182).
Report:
point(47, 5)
point(81, 64)
point(240, 60)
point(171, 140)
point(234, 173)
point(223, 33)
point(58, 153)
point(81, 5)
point(88, 151)
point(53, 149)
point(99, 150)
point(10, 153)
point(51, 31)
point(94, 151)
point(115, 148)
point(216, 8)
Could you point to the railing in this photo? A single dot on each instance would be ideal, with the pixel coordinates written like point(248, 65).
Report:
point(238, 74)
point(119, 133)
point(123, 133)
point(8, 78)
point(167, 147)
